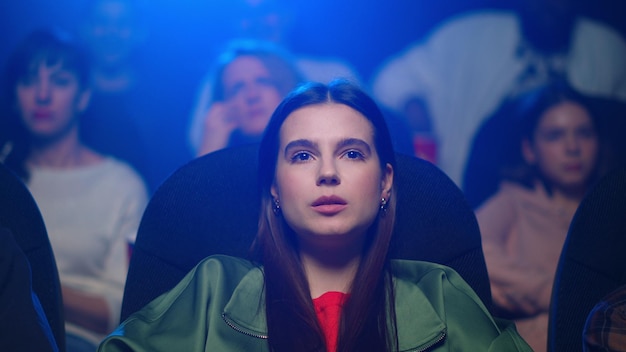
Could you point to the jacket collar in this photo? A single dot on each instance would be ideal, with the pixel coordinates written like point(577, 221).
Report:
point(418, 323)
point(246, 307)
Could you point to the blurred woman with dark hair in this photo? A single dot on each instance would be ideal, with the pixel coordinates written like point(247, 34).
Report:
point(555, 159)
point(91, 203)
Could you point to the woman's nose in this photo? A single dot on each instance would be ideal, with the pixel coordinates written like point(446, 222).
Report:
point(327, 174)
point(43, 93)
point(252, 92)
point(572, 144)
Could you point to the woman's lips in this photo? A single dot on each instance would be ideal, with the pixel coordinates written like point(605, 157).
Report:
point(329, 205)
point(573, 167)
point(258, 113)
point(42, 114)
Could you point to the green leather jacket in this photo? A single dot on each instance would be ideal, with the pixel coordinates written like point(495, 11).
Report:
point(219, 306)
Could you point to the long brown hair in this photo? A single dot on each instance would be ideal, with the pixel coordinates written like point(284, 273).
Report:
point(368, 318)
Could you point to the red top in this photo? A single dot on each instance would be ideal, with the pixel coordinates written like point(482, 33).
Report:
point(328, 309)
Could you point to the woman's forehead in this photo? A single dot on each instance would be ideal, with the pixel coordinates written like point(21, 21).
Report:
point(565, 113)
point(328, 120)
point(47, 61)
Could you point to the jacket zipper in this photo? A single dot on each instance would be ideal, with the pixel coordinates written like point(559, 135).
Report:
point(228, 322)
point(238, 329)
point(439, 338)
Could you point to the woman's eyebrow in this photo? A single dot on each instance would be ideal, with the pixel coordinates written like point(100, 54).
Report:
point(355, 142)
point(300, 143)
point(61, 72)
point(344, 143)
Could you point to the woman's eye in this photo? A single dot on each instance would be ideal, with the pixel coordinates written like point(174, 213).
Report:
point(354, 154)
point(61, 81)
point(63, 78)
point(552, 136)
point(28, 80)
point(587, 133)
point(301, 156)
point(265, 81)
point(230, 92)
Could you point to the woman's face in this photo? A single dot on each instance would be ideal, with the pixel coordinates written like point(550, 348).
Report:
point(250, 93)
point(565, 146)
point(328, 177)
point(49, 100)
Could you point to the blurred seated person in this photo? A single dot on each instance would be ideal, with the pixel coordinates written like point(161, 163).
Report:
point(249, 80)
point(469, 64)
point(275, 21)
point(23, 321)
point(113, 35)
point(114, 31)
point(137, 99)
point(605, 328)
point(554, 160)
point(270, 21)
point(91, 203)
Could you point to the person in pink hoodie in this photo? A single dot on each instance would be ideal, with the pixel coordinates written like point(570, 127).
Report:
point(524, 225)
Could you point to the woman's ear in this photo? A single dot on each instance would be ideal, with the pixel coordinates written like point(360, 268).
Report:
point(387, 181)
point(274, 191)
point(83, 100)
point(528, 152)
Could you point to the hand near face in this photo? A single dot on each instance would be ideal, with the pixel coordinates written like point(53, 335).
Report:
point(219, 123)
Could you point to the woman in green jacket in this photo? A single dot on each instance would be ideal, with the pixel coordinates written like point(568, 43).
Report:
point(326, 170)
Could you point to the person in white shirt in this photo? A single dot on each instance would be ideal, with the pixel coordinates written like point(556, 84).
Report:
point(91, 203)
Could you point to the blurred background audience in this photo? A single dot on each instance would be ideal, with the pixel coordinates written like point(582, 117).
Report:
point(451, 77)
point(460, 77)
point(468, 65)
point(275, 21)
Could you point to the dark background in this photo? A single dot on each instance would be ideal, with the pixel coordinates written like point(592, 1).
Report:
point(186, 34)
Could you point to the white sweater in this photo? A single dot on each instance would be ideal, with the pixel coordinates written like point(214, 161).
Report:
point(91, 214)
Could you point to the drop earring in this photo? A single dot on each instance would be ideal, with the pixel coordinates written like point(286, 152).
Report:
point(384, 204)
point(276, 207)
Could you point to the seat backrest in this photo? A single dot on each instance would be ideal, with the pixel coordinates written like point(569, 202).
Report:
point(211, 206)
point(20, 214)
point(592, 263)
